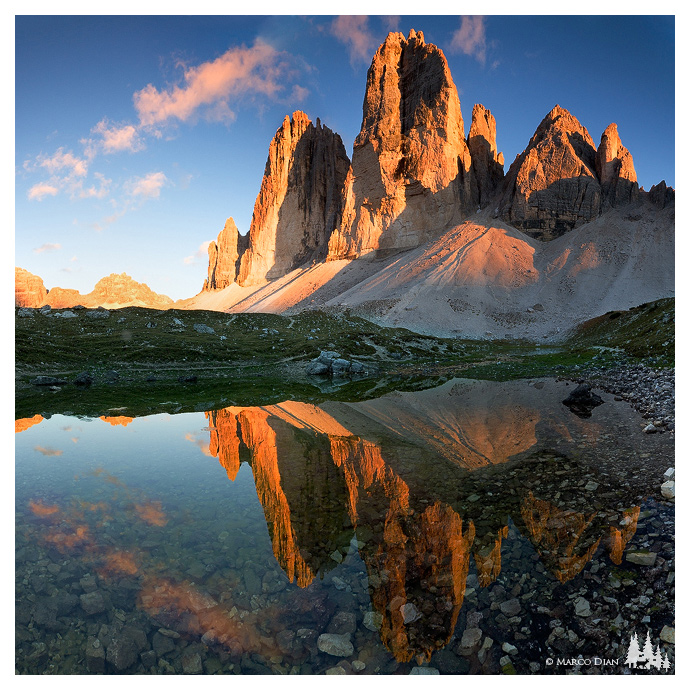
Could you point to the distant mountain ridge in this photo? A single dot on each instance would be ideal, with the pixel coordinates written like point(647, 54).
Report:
point(113, 291)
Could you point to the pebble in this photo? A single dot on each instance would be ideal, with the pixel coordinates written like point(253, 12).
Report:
point(424, 671)
point(373, 620)
point(470, 638)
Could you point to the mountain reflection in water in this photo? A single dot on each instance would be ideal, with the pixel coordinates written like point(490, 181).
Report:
point(423, 487)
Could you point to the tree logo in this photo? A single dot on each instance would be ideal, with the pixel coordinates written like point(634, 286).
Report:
point(647, 657)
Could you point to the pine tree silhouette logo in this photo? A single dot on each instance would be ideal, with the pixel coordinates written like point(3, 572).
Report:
point(647, 657)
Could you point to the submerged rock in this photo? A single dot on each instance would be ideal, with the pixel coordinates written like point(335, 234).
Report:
point(335, 645)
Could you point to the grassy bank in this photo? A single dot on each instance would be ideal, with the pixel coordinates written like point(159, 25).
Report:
point(137, 357)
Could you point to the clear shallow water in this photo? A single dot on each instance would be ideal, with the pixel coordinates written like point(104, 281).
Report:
point(459, 529)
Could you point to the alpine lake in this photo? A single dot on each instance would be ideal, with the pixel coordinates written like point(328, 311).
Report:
point(477, 527)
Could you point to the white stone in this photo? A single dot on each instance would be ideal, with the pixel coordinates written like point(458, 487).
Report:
point(668, 489)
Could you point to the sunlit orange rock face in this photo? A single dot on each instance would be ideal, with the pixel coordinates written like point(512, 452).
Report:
point(411, 167)
point(299, 203)
point(407, 548)
point(118, 421)
point(113, 291)
point(620, 536)
point(567, 540)
point(614, 166)
point(29, 290)
point(224, 255)
point(552, 186)
point(24, 424)
point(225, 440)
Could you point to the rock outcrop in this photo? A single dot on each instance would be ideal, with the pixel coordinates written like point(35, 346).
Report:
point(224, 255)
point(487, 163)
point(614, 166)
point(112, 291)
point(552, 186)
point(300, 201)
point(411, 172)
point(661, 195)
point(29, 290)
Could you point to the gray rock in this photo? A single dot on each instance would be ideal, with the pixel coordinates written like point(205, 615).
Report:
point(48, 381)
point(24, 313)
point(92, 603)
point(511, 607)
point(670, 473)
point(335, 645)
point(340, 367)
point(327, 356)
point(668, 634)
point(470, 639)
point(98, 314)
point(162, 644)
point(83, 379)
point(668, 489)
point(424, 671)
point(582, 607)
point(641, 557)
point(410, 613)
point(191, 663)
point(67, 314)
point(95, 655)
point(358, 665)
point(650, 429)
point(123, 650)
point(336, 671)
point(342, 623)
point(373, 620)
point(203, 328)
point(45, 309)
point(357, 368)
point(148, 658)
point(316, 368)
point(509, 648)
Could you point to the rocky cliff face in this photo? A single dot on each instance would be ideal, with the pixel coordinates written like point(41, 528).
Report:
point(411, 168)
point(552, 185)
point(224, 255)
point(29, 290)
point(614, 166)
point(299, 203)
point(487, 162)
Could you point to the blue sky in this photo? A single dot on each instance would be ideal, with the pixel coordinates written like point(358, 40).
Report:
point(136, 137)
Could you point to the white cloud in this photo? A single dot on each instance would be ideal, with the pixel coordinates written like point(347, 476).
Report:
point(210, 86)
point(470, 38)
point(147, 187)
point(354, 32)
point(200, 254)
point(47, 247)
point(41, 190)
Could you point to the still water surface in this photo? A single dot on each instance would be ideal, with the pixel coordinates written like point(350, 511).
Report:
point(474, 528)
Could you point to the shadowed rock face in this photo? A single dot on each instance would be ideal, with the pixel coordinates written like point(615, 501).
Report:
point(299, 203)
point(614, 166)
point(411, 167)
point(552, 185)
point(29, 290)
point(487, 163)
